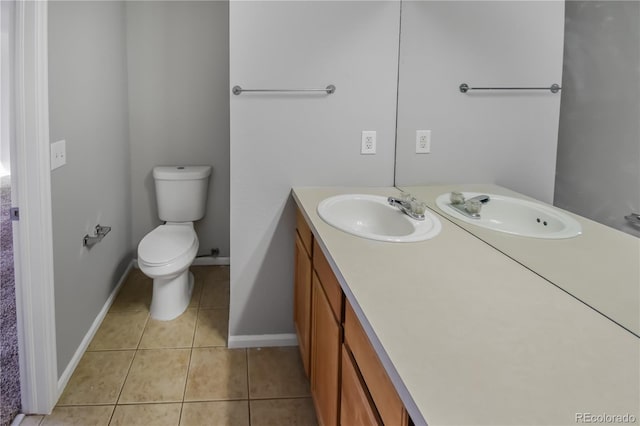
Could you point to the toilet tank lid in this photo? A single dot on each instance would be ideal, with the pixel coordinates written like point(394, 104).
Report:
point(181, 172)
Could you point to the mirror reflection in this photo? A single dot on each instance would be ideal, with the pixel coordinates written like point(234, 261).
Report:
point(578, 149)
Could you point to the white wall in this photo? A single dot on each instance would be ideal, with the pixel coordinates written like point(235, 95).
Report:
point(598, 171)
point(280, 141)
point(6, 89)
point(178, 66)
point(88, 108)
point(480, 137)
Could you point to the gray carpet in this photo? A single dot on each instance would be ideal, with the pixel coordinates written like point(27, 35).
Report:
point(9, 368)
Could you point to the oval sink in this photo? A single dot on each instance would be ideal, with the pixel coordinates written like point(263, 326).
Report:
point(516, 216)
point(371, 216)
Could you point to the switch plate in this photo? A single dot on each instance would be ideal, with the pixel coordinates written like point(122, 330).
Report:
point(368, 142)
point(423, 141)
point(58, 154)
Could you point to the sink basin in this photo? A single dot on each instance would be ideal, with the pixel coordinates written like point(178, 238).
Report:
point(371, 216)
point(516, 216)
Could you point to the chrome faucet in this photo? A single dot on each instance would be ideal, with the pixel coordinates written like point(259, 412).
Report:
point(471, 207)
point(408, 207)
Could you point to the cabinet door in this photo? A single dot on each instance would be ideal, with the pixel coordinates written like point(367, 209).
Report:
point(325, 357)
point(356, 406)
point(384, 395)
point(302, 302)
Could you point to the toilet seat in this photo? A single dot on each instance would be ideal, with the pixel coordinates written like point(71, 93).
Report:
point(166, 244)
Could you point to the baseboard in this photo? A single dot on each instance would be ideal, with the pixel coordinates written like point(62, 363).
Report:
point(18, 419)
point(202, 261)
point(66, 375)
point(211, 261)
point(263, 340)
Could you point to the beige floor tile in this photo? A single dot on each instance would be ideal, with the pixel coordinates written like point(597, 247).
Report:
point(212, 273)
point(31, 420)
point(276, 373)
point(119, 330)
point(216, 413)
point(156, 375)
point(217, 374)
point(215, 294)
point(177, 333)
point(135, 294)
point(98, 378)
point(146, 415)
point(277, 412)
point(97, 415)
point(212, 328)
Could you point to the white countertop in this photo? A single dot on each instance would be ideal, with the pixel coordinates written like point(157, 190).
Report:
point(469, 336)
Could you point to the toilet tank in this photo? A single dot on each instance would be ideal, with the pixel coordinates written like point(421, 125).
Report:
point(181, 192)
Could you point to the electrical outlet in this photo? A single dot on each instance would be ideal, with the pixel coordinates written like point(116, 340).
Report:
point(58, 154)
point(423, 141)
point(368, 142)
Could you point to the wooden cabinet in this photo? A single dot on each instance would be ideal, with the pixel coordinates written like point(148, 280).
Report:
point(302, 302)
point(383, 393)
point(356, 406)
point(349, 385)
point(325, 357)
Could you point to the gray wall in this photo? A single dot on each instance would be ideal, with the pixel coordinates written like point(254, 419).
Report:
point(280, 141)
point(598, 171)
point(88, 108)
point(178, 65)
point(480, 137)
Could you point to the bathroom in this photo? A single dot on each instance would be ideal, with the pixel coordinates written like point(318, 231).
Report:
point(121, 78)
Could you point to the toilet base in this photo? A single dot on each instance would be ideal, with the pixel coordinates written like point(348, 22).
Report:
point(171, 296)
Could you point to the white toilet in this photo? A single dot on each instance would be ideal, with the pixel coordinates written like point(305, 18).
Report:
point(166, 253)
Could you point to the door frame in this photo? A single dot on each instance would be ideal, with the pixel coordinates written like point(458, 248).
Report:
point(33, 233)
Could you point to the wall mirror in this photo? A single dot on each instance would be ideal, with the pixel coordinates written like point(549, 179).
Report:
point(508, 138)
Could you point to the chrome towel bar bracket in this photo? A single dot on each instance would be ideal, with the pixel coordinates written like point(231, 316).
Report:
point(90, 240)
point(328, 90)
point(554, 88)
point(634, 219)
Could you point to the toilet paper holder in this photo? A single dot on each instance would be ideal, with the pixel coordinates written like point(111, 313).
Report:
point(90, 240)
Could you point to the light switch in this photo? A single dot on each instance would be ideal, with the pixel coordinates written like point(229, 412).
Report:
point(58, 154)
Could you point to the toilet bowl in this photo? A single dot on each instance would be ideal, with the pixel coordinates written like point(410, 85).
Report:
point(166, 253)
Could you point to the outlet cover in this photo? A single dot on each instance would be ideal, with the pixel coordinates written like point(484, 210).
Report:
point(423, 141)
point(58, 154)
point(368, 145)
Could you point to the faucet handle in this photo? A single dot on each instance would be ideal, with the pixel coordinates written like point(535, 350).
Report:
point(473, 206)
point(418, 207)
point(456, 198)
point(407, 197)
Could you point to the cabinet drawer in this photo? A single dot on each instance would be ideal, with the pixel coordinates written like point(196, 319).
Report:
point(305, 232)
point(328, 280)
point(384, 395)
point(356, 406)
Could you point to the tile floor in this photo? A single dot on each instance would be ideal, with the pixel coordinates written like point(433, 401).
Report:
point(139, 371)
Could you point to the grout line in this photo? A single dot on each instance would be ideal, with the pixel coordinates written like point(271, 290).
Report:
point(135, 353)
point(113, 411)
point(186, 380)
point(97, 404)
point(144, 328)
point(280, 397)
point(246, 351)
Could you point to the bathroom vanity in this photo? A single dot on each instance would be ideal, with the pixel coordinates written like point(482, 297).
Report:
point(449, 328)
